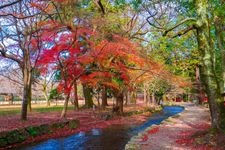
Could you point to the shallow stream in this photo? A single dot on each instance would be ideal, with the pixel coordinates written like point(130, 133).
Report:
point(112, 138)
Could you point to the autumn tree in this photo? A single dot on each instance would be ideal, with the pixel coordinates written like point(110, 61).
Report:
point(66, 56)
point(20, 42)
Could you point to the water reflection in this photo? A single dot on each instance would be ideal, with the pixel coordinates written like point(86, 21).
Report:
point(96, 131)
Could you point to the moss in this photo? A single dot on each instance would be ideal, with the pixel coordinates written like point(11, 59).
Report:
point(23, 134)
point(58, 125)
point(44, 129)
point(3, 142)
point(14, 137)
point(73, 124)
point(33, 131)
point(222, 115)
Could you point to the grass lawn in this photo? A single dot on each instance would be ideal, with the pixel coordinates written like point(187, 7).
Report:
point(16, 109)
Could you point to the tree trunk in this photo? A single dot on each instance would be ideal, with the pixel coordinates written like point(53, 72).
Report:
point(220, 35)
point(98, 97)
point(104, 98)
point(145, 94)
point(44, 90)
point(46, 98)
point(133, 97)
point(119, 99)
point(63, 114)
point(126, 98)
point(153, 98)
point(76, 104)
point(149, 98)
point(26, 91)
point(209, 77)
point(29, 98)
point(87, 96)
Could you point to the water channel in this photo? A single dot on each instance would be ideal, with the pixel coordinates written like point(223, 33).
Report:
point(112, 138)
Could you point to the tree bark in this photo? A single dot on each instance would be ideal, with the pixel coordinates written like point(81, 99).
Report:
point(87, 96)
point(209, 76)
point(27, 78)
point(44, 90)
point(76, 104)
point(126, 97)
point(145, 94)
point(104, 98)
point(153, 98)
point(29, 97)
point(119, 99)
point(65, 107)
point(133, 97)
point(220, 36)
point(46, 98)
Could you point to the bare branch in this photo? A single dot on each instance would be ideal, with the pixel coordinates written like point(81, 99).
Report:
point(152, 24)
point(10, 4)
point(100, 6)
point(4, 54)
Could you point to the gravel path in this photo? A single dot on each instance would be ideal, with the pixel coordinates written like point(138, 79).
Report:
point(175, 132)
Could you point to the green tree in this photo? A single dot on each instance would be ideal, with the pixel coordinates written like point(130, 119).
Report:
point(202, 23)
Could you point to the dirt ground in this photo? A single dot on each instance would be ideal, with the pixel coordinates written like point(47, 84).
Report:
point(187, 131)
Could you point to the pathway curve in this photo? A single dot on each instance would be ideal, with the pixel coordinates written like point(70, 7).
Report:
point(175, 132)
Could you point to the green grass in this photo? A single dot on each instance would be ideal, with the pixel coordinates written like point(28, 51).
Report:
point(50, 109)
point(11, 111)
point(42, 109)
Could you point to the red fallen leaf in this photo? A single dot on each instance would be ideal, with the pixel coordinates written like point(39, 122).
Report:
point(153, 130)
point(202, 126)
point(186, 134)
point(184, 141)
point(144, 138)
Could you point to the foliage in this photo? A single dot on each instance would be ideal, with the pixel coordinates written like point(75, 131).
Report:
point(54, 94)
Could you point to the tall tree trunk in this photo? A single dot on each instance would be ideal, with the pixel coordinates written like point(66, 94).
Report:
point(87, 96)
point(104, 98)
point(220, 35)
point(119, 99)
point(153, 98)
point(29, 98)
point(98, 97)
point(76, 104)
point(26, 90)
point(145, 94)
point(46, 98)
point(133, 97)
point(65, 106)
point(44, 90)
point(126, 97)
point(209, 77)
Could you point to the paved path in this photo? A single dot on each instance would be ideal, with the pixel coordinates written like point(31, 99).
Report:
point(173, 133)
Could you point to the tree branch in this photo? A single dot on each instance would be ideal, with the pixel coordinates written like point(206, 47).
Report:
point(155, 26)
point(4, 54)
point(100, 6)
point(182, 32)
point(9, 4)
point(178, 24)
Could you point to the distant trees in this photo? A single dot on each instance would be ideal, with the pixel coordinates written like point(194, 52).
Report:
point(99, 44)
